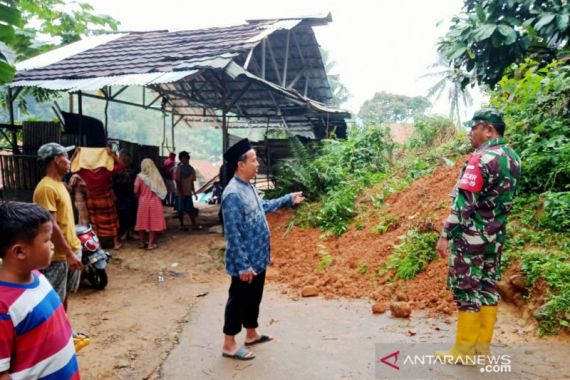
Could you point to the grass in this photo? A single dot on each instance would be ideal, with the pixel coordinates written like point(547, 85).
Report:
point(362, 268)
point(387, 223)
point(326, 259)
point(412, 256)
point(544, 256)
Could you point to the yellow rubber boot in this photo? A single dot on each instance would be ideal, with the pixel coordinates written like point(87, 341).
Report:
point(463, 352)
point(488, 319)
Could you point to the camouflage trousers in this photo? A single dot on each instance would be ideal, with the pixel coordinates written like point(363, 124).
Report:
point(473, 274)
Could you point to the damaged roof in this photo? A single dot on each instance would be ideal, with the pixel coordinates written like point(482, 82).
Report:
point(269, 70)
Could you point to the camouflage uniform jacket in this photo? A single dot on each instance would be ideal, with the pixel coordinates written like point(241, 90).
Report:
point(483, 196)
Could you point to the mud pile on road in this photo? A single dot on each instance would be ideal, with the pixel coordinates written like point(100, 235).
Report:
point(297, 253)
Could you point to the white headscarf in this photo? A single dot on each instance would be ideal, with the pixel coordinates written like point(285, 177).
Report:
point(151, 177)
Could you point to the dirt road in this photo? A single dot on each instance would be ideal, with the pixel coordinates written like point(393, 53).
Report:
point(135, 321)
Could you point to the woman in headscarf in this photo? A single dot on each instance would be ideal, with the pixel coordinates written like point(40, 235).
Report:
point(151, 190)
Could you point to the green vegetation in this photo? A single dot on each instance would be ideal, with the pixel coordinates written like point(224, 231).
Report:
point(556, 213)
point(362, 268)
point(490, 36)
point(333, 174)
point(553, 267)
point(544, 259)
point(435, 142)
point(449, 80)
point(387, 223)
point(26, 25)
point(10, 18)
point(337, 175)
point(338, 210)
point(326, 259)
point(414, 254)
point(431, 131)
point(535, 101)
point(542, 249)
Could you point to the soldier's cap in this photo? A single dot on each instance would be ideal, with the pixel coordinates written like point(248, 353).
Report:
point(489, 115)
point(233, 154)
point(49, 150)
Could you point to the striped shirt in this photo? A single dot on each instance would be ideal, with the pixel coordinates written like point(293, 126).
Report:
point(35, 335)
point(245, 227)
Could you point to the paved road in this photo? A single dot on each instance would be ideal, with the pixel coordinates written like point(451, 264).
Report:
point(334, 339)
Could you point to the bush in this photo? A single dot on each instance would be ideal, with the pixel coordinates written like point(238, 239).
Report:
point(412, 257)
point(326, 259)
point(535, 101)
point(337, 211)
point(332, 173)
point(554, 268)
point(540, 242)
point(556, 214)
point(434, 143)
point(431, 131)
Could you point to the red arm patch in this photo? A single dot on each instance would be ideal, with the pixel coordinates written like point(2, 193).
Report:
point(472, 179)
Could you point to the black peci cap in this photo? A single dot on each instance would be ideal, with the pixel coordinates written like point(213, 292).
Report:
point(233, 154)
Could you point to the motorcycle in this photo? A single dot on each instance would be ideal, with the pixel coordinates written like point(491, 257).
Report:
point(94, 258)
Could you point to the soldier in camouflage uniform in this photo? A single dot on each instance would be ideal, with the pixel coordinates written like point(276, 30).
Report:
point(475, 233)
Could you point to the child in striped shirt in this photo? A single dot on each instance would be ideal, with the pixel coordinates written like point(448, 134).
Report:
point(35, 335)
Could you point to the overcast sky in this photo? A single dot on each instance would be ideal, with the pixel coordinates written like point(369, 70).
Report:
point(381, 45)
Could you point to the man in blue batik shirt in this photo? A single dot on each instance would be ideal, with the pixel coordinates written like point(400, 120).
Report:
point(247, 248)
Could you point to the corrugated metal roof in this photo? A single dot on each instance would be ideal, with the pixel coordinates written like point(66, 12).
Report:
point(94, 84)
point(268, 29)
point(220, 68)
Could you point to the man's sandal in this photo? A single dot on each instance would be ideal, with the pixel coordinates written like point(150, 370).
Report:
point(241, 354)
point(261, 339)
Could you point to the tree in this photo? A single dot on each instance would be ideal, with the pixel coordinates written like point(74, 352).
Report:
point(339, 91)
point(391, 108)
point(535, 102)
point(60, 21)
point(449, 81)
point(491, 35)
point(25, 25)
point(10, 18)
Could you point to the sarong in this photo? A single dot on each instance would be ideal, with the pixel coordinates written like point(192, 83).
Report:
point(103, 213)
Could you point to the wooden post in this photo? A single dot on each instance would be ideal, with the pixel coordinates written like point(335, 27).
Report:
point(80, 110)
point(15, 149)
point(225, 136)
point(107, 96)
point(163, 132)
point(172, 131)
